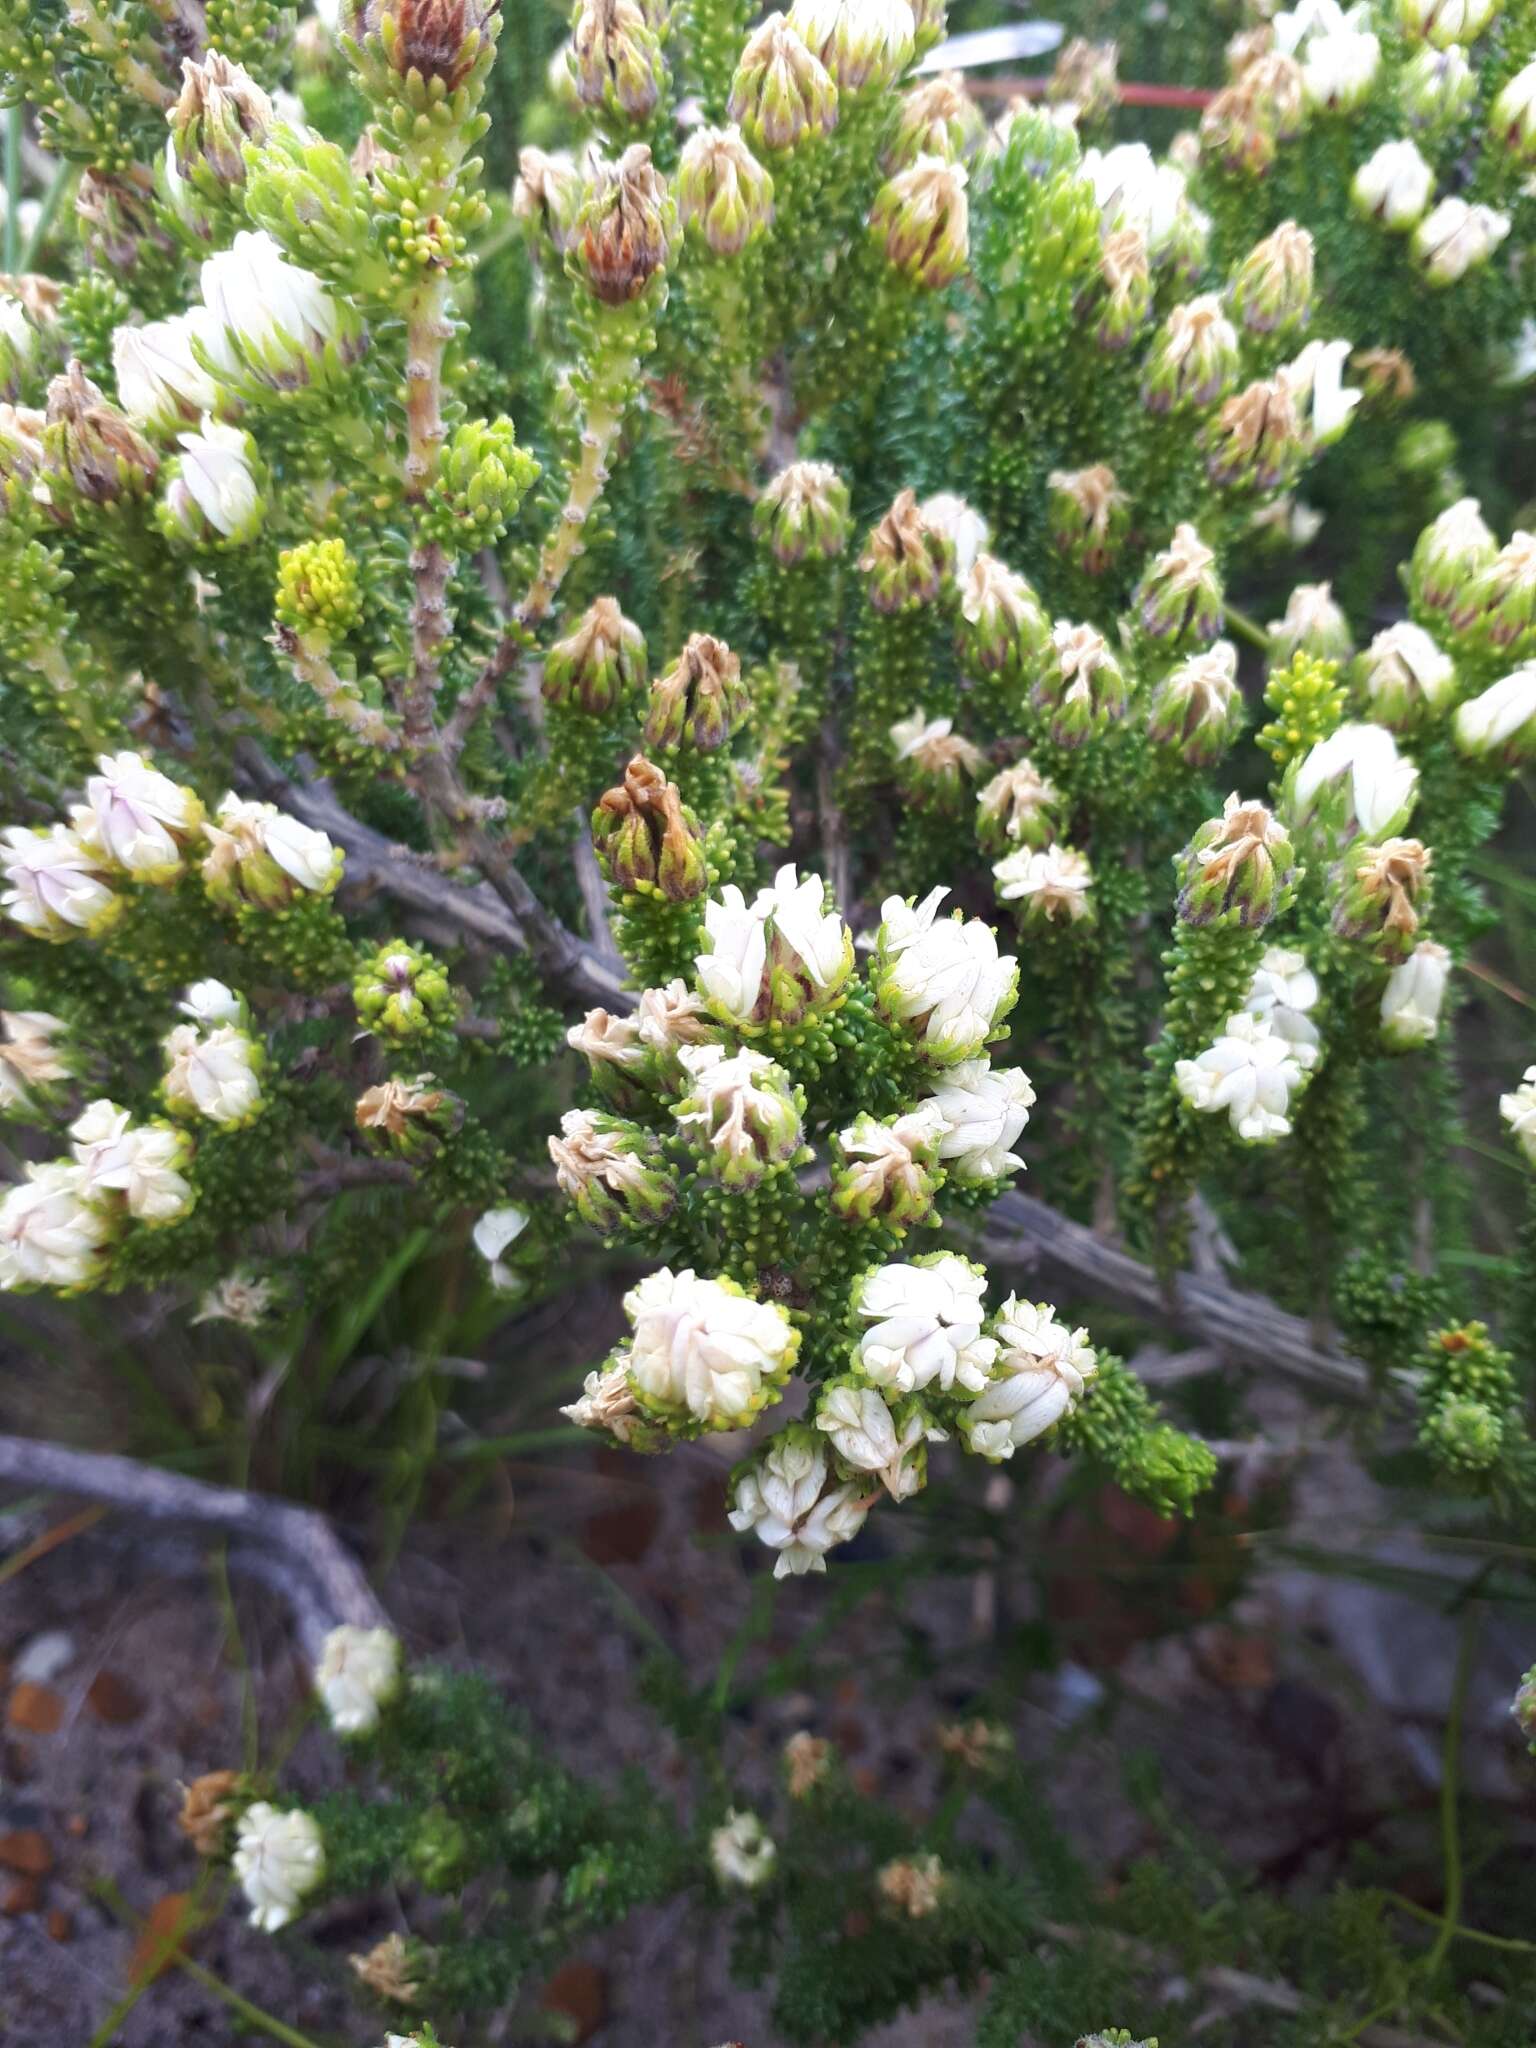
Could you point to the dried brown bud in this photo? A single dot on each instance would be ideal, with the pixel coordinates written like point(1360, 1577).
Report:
point(627, 226)
point(221, 108)
point(647, 839)
point(389, 1971)
point(1386, 374)
point(906, 558)
point(437, 39)
point(207, 1808)
point(116, 217)
point(1085, 78)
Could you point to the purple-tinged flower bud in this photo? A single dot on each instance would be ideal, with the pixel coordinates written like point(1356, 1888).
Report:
point(1018, 807)
point(1194, 358)
point(1087, 80)
point(1256, 440)
point(1273, 285)
point(220, 110)
point(1498, 604)
point(907, 559)
point(1197, 709)
point(1089, 516)
point(600, 664)
point(1263, 107)
point(803, 512)
point(1404, 677)
point(91, 446)
point(611, 1172)
point(646, 838)
point(549, 195)
point(1081, 687)
point(1124, 298)
point(627, 228)
point(936, 117)
point(1005, 628)
point(923, 217)
point(934, 763)
point(862, 43)
point(1313, 624)
point(616, 59)
point(1237, 869)
point(1449, 555)
point(1179, 596)
point(1382, 893)
point(1435, 88)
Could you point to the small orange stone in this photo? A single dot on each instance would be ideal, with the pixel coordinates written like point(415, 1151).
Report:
point(60, 1925)
point(23, 1896)
point(36, 1708)
point(113, 1699)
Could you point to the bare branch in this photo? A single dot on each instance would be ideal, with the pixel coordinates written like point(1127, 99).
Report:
point(291, 1547)
point(1019, 1230)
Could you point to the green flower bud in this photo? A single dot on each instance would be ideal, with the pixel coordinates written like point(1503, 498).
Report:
point(1313, 624)
point(1005, 628)
point(1237, 869)
point(1081, 686)
point(700, 701)
point(1466, 1435)
point(803, 511)
point(723, 190)
point(91, 447)
point(600, 664)
point(220, 110)
point(319, 593)
point(1090, 517)
point(1512, 117)
point(1124, 297)
point(1435, 88)
point(627, 228)
point(1498, 603)
point(1273, 286)
point(1179, 596)
point(1446, 22)
point(1256, 440)
point(401, 992)
point(1194, 358)
point(742, 1112)
point(1404, 678)
point(781, 92)
point(1449, 555)
point(616, 58)
point(439, 1851)
point(612, 1172)
point(1018, 807)
point(862, 43)
point(1523, 1707)
point(483, 479)
point(936, 117)
point(309, 198)
point(923, 218)
point(647, 839)
point(888, 1172)
point(1382, 891)
point(408, 1118)
point(1197, 708)
point(907, 559)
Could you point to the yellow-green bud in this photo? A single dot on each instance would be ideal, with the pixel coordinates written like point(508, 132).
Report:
point(600, 664)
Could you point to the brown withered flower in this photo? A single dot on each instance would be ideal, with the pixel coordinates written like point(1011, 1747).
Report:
point(388, 1970)
point(207, 1808)
point(90, 442)
point(628, 224)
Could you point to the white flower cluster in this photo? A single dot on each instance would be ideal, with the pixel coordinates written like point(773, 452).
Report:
point(777, 956)
point(942, 980)
point(138, 825)
point(279, 1859)
point(1251, 1071)
point(703, 1351)
point(357, 1676)
point(1518, 1109)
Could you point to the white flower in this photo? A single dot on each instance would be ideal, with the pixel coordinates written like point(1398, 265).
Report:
point(216, 473)
point(1489, 720)
point(730, 973)
point(783, 1497)
point(795, 906)
point(1363, 760)
point(1456, 236)
point(607, 1402)
point(864, 1433)
point(159, 378)
point(138, 1161)
point(239, 1297)
point(742, 1107)
point(1315, 381)
point(212, 1074)
point(1250, 1072)
point(1447, 21)
point(1316, 18)
point(358, 1673)
point(1394, 184)
point(245, 835)
point(668, 1018)
point(270, 315)
point(942, 977)
point(1040, 1374)
point(1518, 1109)
point(926, 1326)
point(27, 1054)
point(1339, 69)
point(1052, 881)
point(603, 1038)
point(50, 1236)
point(136, 817)
point(279, 1858)
point(1411, 1000)
point(1284, 990)
point(965, 529)
point(703, 1347)
point(495, 1230)
point(984, 1108)
point(1403, 671)
point(742, 1850)
point(1135, 191)
point(212, 1002)
point(18, 341)
point(53, 886)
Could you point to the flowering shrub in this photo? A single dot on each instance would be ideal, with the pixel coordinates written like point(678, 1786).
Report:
point(757, 598)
